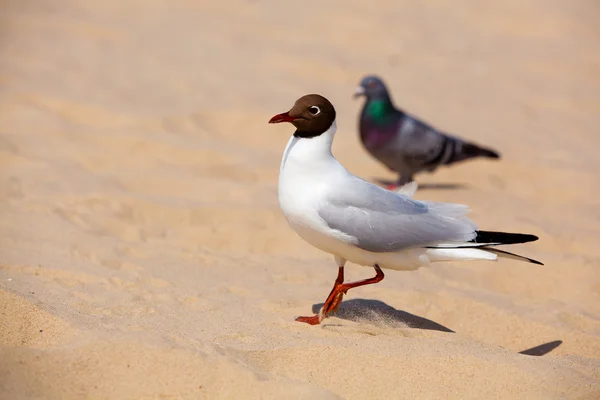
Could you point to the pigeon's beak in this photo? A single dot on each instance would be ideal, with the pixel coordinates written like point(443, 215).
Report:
point(360, 91)
point(283, 117)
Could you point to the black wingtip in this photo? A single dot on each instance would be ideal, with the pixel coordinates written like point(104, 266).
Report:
point(512, 255)
point(503, 237)
point(531, 260)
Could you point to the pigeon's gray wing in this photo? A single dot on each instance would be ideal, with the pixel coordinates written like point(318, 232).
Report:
point(421, 145)
point(380, 220)
point(424, 147)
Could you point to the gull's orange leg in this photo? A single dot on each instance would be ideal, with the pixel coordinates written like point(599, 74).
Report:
point(315, 320)
point(337, 293)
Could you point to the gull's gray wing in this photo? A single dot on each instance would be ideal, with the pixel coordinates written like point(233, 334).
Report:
point(379, 220)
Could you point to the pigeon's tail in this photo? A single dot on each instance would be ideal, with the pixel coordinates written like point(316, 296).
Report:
point(463, 151)
point(483, 152)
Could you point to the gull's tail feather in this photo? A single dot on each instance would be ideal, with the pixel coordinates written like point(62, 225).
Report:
point(472, 253)
point(483, 241)
point(458, 254)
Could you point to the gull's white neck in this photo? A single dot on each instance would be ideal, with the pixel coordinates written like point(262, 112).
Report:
point(308, 171)
point(309, 153)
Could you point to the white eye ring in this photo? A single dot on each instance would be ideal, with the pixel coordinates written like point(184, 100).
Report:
point(314, 110)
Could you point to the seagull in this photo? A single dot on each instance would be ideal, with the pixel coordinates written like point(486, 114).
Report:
point(357, 221)
point(404, 143)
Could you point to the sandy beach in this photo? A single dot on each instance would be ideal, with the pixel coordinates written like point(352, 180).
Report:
point(143, 253)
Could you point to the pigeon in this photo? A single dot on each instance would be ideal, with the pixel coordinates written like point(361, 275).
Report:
point(404, 143)
point(357, 221)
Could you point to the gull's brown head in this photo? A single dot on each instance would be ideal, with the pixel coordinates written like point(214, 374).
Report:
point(312, 115)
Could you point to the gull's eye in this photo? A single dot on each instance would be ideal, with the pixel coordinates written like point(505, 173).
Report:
point(314, 110)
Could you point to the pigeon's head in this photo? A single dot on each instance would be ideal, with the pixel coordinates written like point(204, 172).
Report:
point(312, 115)
point(372, 87)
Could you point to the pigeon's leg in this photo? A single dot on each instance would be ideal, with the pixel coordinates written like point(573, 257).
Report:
point(337, 293)
point(402, 180)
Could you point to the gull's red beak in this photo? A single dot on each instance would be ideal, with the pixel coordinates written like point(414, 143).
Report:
point(283, 117)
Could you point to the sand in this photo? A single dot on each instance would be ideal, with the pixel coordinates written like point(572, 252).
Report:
point(142, 250)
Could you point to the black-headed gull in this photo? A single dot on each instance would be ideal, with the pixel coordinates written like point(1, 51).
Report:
point(359, 222)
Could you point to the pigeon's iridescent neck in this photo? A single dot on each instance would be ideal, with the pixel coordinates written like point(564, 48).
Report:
point(378, 125)
point(377, 110)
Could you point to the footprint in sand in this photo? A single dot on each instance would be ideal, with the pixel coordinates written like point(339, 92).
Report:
point(104, 217)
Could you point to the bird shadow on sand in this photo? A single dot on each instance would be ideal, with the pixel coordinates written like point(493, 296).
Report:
point(377, 312)
point(427, 186)
point(380, 313)
point(542, 349)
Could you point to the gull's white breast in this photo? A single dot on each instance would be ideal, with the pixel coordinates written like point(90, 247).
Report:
point(309, 177)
